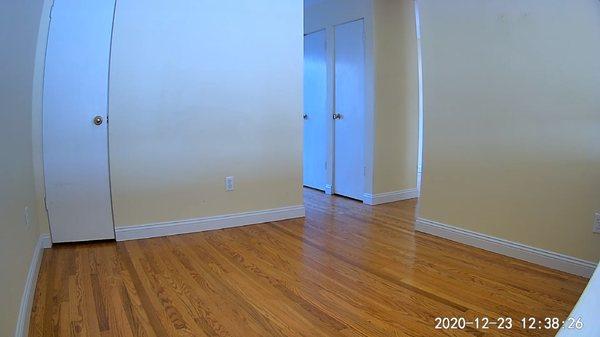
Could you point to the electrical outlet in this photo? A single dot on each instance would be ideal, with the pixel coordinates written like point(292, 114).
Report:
point(229, 183)
point(27, 217)
point(596, 228)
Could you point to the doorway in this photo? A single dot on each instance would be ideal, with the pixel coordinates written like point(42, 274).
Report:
point(334, 137)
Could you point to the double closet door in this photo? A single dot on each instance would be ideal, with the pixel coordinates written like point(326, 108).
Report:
point(334, 137)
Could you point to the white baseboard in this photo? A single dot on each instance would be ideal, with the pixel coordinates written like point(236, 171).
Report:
point(520, 251)
point(45, 240)
point(207, 223)
point(382, 198)
point(22, 327)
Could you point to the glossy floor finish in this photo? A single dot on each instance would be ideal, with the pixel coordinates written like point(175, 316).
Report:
point(346, 270)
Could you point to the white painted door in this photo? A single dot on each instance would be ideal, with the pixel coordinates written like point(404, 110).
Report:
point(315, 110)
point(75, 148)
point(349, 110)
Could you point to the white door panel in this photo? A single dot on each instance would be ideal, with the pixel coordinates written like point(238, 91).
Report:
point(315, 110)
point(350, 105)
point(75, 149)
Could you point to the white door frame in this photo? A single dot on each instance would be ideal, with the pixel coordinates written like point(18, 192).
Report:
point(420, 76)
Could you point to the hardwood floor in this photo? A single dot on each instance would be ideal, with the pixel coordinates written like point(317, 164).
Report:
point(345, 270)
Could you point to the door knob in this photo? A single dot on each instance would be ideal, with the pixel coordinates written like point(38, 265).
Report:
point(337, 116)
point(305, 116)
point(98, 120)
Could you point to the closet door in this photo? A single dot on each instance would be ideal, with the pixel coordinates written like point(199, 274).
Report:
point(75, 120)
point(315, 110)
point(349, 113)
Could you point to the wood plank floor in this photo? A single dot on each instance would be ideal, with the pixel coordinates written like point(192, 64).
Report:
point(347, 269)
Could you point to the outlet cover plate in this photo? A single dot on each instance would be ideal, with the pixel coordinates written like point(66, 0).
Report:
point(596, 228)
point(229, 183)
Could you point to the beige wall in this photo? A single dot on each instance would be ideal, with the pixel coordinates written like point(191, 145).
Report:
point(201, 90)
point(19, 27)
point(396, 96)
point(512, 120)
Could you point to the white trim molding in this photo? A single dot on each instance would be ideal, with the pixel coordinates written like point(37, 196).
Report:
point(45, 241)
point(382, 198)
point(517, 250)
point(22, 327)
point(207, 223)
point(328, 189)
point(587, 306)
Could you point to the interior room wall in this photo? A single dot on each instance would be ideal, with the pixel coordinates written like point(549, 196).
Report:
point(512, 120)
point(19, 22)
point(202, 90)
point(396, 96)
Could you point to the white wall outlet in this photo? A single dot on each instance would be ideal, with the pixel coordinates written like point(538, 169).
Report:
point(596, 228)
point(229, 183)
point(27, 217)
